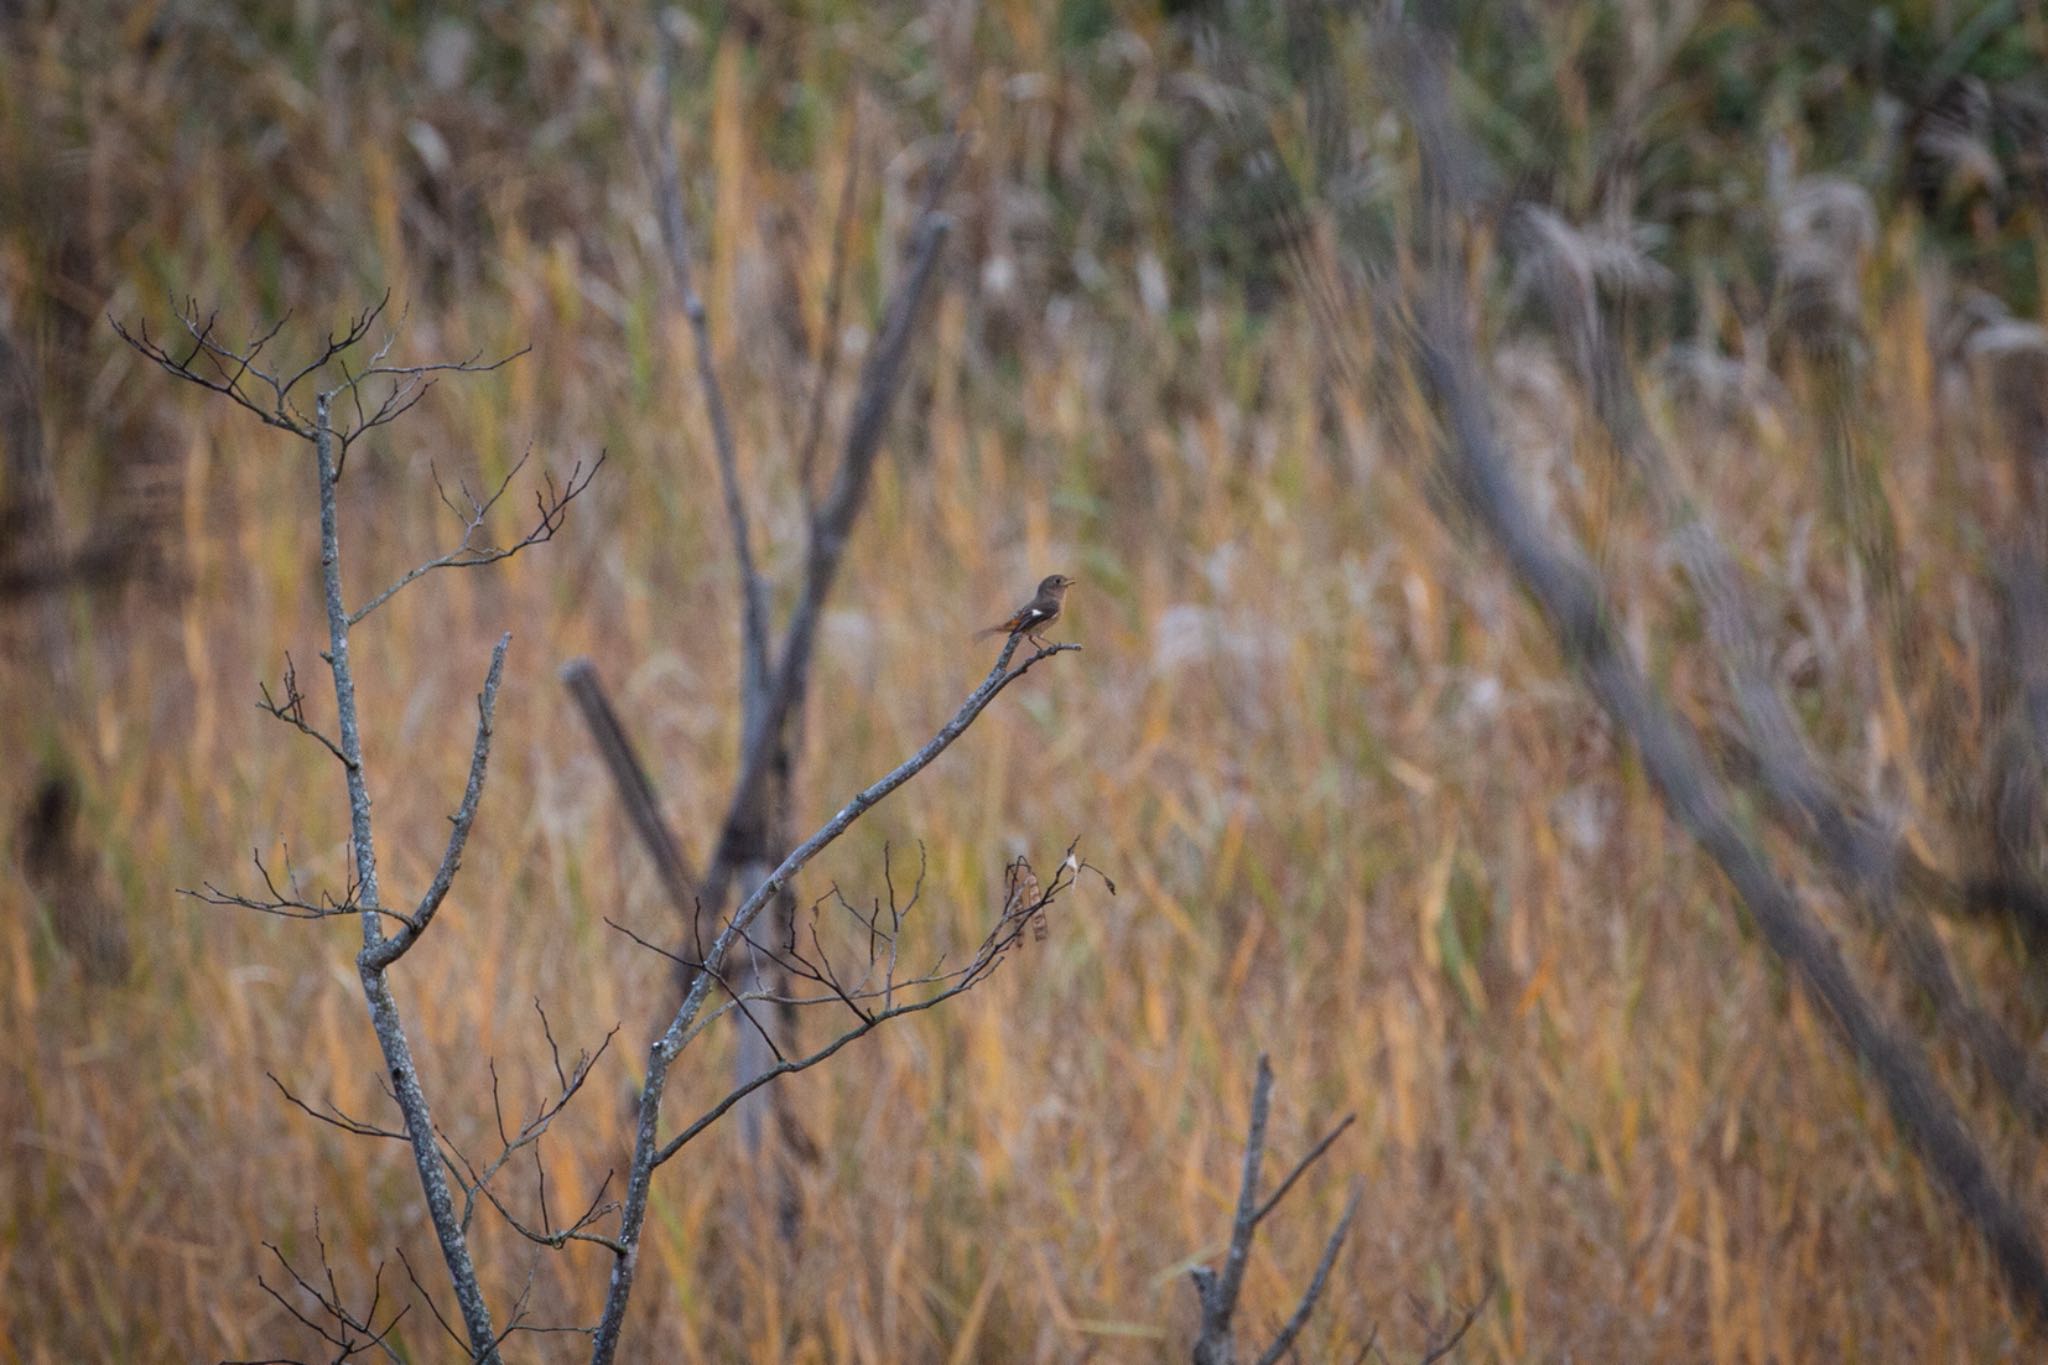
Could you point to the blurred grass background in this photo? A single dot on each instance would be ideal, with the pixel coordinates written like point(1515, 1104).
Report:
point(1359, 815)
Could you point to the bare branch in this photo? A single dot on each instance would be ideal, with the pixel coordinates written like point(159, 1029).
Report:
point(290, 708)
point(659, 158)
point(557, 1238)
point(385, 1020)
point(831, 524)
point(1574, 605)
point(359, 327)
point(656, 948)
point(1314, 1154)
point(409, 384)
point(799, 967)
point(1444, 1336)
point(554, 1049)
point(389, 950)
point(647, 1147)
point(1870, 863)
point(269, 394)
point(551, 506)
point(739, 1001)
point(230, 368)
point(835, 294)
point(477, 1182)
point(1005, 935)
point(347, 1323)
point(334, 1115)
point(288, 903)
point(1216, 1342)
point(432, 1307)
point(1218, 1293)
point(636, 791)
point(869, 1023)
point(1284, 1342)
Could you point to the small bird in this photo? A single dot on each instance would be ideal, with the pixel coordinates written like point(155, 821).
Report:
point(1035, 615)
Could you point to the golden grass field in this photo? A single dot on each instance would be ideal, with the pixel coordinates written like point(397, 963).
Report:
point(1359, 814)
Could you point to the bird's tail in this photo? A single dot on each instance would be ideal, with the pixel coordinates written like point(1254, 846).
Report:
point(1003, 629)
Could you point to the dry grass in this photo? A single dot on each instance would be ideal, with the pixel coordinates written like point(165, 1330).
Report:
point(1359, 816)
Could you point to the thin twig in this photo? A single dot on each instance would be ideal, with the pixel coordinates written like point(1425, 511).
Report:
point(1444, 1337)
point(335, 1116)
point(551, 507)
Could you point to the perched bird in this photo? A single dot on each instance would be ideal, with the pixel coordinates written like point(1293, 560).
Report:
point(1035, 615)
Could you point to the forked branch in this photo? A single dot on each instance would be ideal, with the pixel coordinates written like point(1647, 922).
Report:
point(830, 524)
point(1216, 1343)
point(648, 1148)
point(876, 996)
point(476, 1181)
point(288, 901)
point(289, 706)
point(350, 1332)
point(659, 155)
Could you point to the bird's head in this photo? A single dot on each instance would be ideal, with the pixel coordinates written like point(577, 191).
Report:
point(1056, 585)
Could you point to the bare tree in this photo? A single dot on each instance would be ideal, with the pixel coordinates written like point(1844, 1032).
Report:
point(758, 827)
point(1557, 574)
point(368, 392)
point(1218, 1292)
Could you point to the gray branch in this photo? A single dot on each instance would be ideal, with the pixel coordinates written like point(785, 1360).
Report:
point(1283, 1344)
point(831, 526)
point(378, 956)
point(1573, 603)
point(1216, 1345)
point(240, 376)
point(675, 236)
point(370, 963)
point(363, 848)
point(1869, 863)
point(647, 1147)
point(1216, 1341)
point(629, 777)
